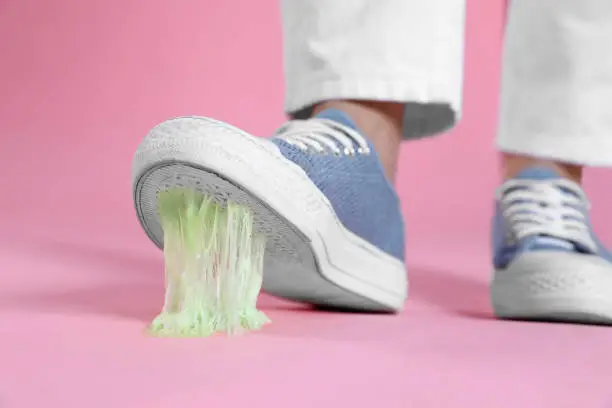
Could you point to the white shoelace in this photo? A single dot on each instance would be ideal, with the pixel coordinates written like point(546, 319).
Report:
point(322, 136)
point(543, 208)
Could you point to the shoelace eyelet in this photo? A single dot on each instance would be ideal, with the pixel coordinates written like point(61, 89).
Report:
point(338, 140)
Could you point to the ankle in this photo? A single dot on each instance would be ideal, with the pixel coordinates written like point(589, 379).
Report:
point(381, 122)
point(514, 164)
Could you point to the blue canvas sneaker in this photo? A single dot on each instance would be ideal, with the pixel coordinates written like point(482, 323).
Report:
point(549, 265)
point(333, 221)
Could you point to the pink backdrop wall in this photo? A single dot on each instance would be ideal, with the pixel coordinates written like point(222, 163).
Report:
point(82, 81)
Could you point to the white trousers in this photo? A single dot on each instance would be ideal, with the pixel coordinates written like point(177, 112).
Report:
point(556, 98)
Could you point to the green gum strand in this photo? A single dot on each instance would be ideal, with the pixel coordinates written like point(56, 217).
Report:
point(213, 266)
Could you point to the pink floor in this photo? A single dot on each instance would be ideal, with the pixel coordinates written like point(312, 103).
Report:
point(81, 83)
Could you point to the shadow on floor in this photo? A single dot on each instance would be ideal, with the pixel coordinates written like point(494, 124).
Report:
point(124, 284)
point(134, 290)
point(112, 259)
point(452, 292)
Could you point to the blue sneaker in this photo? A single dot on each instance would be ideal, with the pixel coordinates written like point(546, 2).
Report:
point(549, 265)
point(333, 221)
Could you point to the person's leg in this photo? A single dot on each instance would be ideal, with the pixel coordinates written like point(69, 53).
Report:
point(361, 75)
point(556, 117)
point(557, 86)
point(394, 66)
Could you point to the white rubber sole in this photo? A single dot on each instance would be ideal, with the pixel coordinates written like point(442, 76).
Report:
point(310, 256)
point(563, 287)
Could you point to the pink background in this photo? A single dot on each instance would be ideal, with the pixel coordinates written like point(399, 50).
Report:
point(82, 81)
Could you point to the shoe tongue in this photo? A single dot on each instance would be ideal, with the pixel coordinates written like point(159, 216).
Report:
point(543, 174)
point(337, 116)
point(538, 173)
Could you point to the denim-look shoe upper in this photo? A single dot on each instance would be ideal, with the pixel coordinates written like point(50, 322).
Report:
point(540, 211)
point(344, 166)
